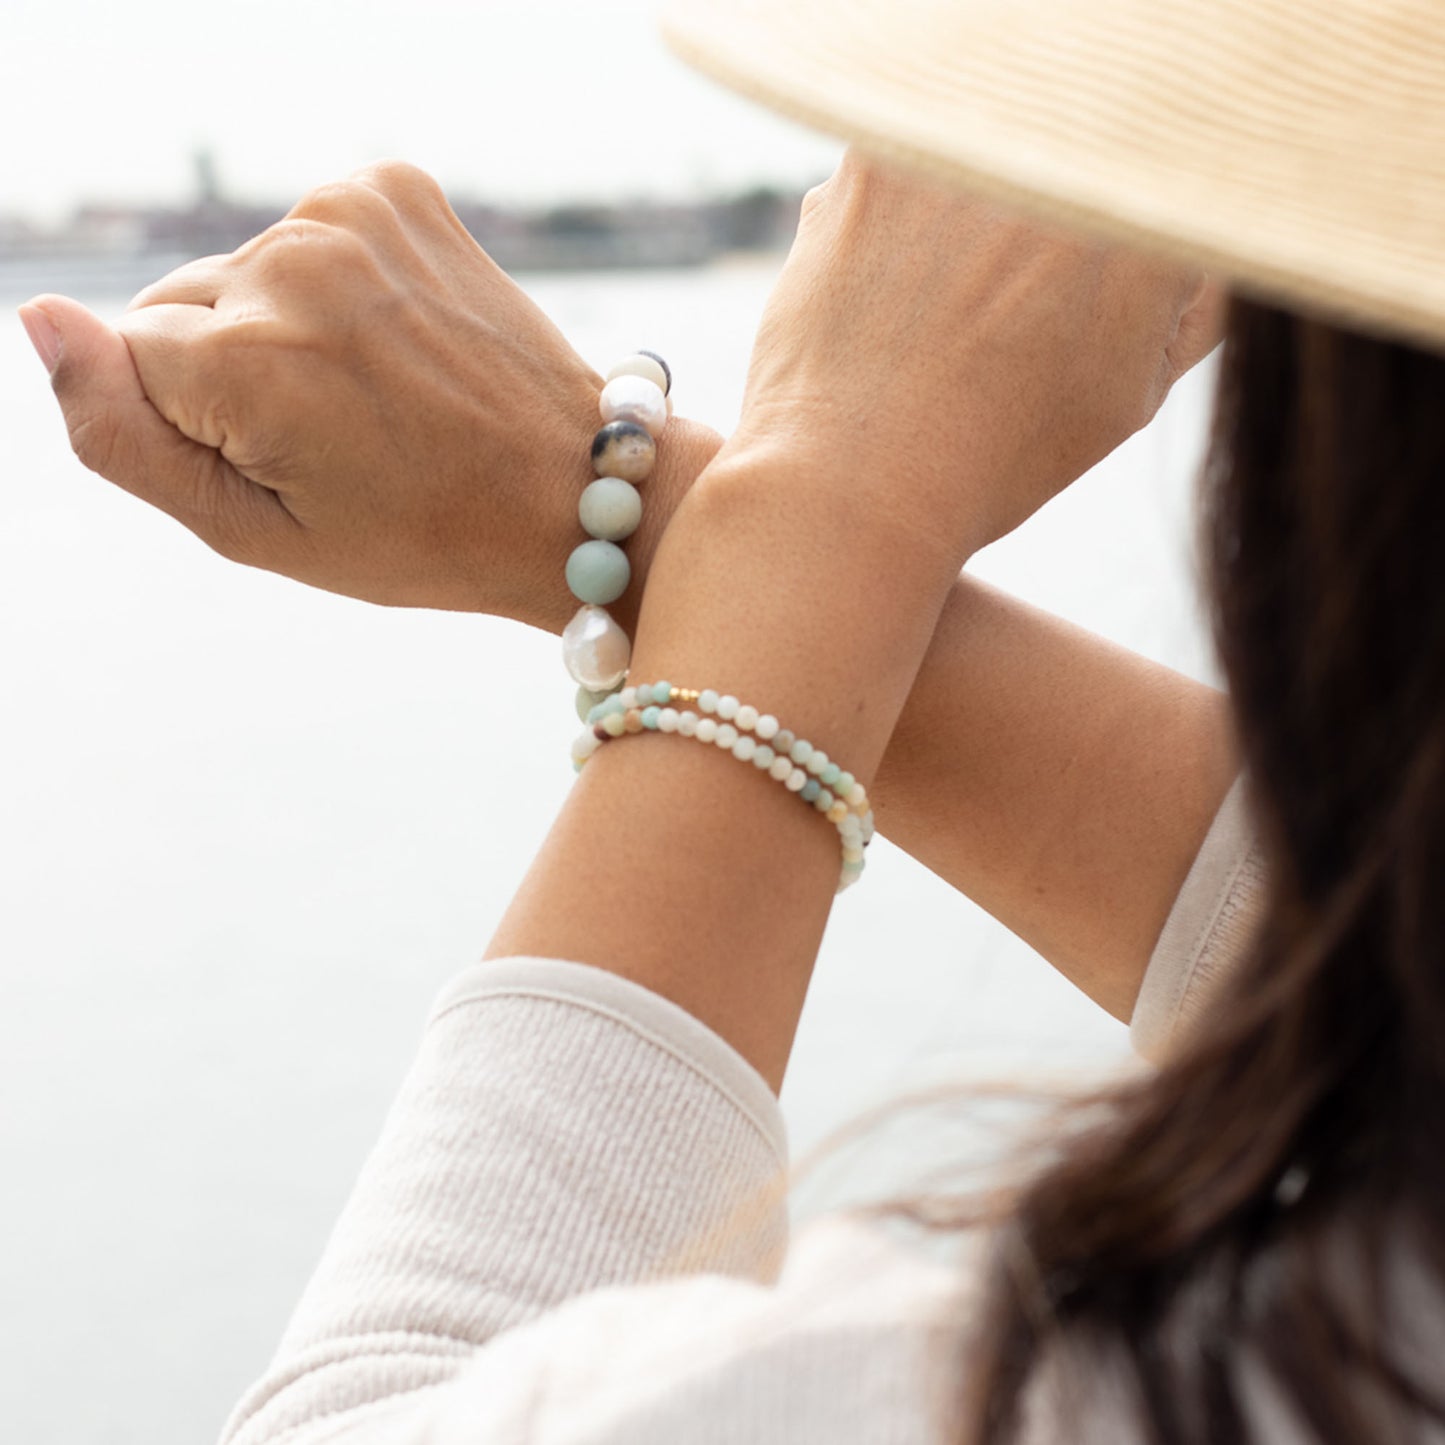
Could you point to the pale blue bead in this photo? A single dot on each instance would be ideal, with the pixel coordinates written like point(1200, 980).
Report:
point(707, 700)
point(811, 789)
point(649, 718)
point(644, 694)
point(662, 692)
point(598, 573)
point(802, 751)
point(610, 509)
point(830, 775)
point(844, 785)
point(825, 800)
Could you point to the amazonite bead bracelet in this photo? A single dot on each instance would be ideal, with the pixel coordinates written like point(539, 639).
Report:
point(635, 404)
point(751, 736)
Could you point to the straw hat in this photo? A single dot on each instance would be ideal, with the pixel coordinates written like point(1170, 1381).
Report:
point(1295, 147)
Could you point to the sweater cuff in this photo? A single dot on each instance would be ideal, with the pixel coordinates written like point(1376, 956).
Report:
point(1212, 924)
point(661, 1022)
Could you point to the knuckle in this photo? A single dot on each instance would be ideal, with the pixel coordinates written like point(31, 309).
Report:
point(310, 251)
point(402, 183)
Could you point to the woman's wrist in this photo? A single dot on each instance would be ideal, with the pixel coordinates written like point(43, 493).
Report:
point(684, 451)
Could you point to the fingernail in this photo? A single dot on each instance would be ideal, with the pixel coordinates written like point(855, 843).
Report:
point(43, 335)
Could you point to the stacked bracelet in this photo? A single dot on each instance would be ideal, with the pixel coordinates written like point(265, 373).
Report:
point(635, 405)
point(751, 737)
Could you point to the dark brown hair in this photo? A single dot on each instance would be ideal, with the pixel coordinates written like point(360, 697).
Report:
point(1259, 1196)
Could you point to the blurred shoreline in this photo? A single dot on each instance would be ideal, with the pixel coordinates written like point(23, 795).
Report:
point(118, 249)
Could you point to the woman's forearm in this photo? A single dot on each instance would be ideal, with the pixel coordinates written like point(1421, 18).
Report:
point(1061, 782)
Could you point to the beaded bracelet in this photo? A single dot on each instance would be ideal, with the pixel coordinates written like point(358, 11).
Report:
point(751, 737)
point(635, 404)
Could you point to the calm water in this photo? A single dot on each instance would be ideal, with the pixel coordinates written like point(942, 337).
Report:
point(247, 830)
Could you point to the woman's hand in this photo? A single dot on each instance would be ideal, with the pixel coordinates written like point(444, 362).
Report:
point(962, 363)
point(360, 399)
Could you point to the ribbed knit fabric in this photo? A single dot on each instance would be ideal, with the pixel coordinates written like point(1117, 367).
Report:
point(1210, 926)
point(572, 1227)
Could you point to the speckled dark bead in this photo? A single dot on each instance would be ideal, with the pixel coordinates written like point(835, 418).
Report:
point(666, 370)
point(624, 449)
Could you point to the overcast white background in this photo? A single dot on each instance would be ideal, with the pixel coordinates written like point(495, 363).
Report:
point(501, 99)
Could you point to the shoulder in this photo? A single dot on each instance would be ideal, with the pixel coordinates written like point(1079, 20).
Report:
point(859, 1340)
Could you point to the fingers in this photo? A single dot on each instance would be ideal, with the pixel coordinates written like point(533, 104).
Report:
point(176, 353)
point(197, 283)
point(1201, 327)
point(116, 431)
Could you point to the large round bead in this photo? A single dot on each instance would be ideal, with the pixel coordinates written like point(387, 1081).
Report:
point(635, 398)
point(624, 449)
point(610, 509)
point(598, 572)
point(644, 363)
point(595, 650)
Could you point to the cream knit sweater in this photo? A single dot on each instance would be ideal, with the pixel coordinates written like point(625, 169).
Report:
point(571, 1230)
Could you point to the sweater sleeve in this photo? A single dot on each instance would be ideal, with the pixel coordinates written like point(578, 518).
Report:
point(1209, 929)
point(561, 1130)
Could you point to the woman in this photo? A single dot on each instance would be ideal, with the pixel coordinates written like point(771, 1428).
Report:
point(1246, 1246)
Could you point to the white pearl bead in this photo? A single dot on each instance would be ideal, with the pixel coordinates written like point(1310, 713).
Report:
point(667, 720)
point(584, 747)
point(744, 749)
point(727, 735)
point(635, 399)
point(595, 650)
point(796, 780)
point(687, 724)
point(781, 768)
point(747, 718)
point(639, 365)
point(727, 707)
point(767, 727)
point(707, 730)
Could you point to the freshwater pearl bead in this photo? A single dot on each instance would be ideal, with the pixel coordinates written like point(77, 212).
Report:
point(687, 724)
point(727, 735)
point(707, 730)
point(744, 749)
point(610, 509)
point(781, 768)
point(644, 364)
point(767, 727)
point(747, 718)
point(796, 780)
point(764, 758)
point(635, 399)
point(598, 572)
point(624, 450)
point(727, 707)
point(667, 720)
point(801, 751)
point(595, 650)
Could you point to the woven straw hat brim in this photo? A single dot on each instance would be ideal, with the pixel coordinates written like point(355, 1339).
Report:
point(1294, 147)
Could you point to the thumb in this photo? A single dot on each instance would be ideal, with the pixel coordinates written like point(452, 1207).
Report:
point(116, 431)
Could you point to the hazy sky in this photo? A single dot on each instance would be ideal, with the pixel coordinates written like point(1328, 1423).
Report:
point(512, 99)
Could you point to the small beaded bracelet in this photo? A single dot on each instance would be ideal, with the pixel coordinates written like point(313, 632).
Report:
point(635, 404)
point(751, 737)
